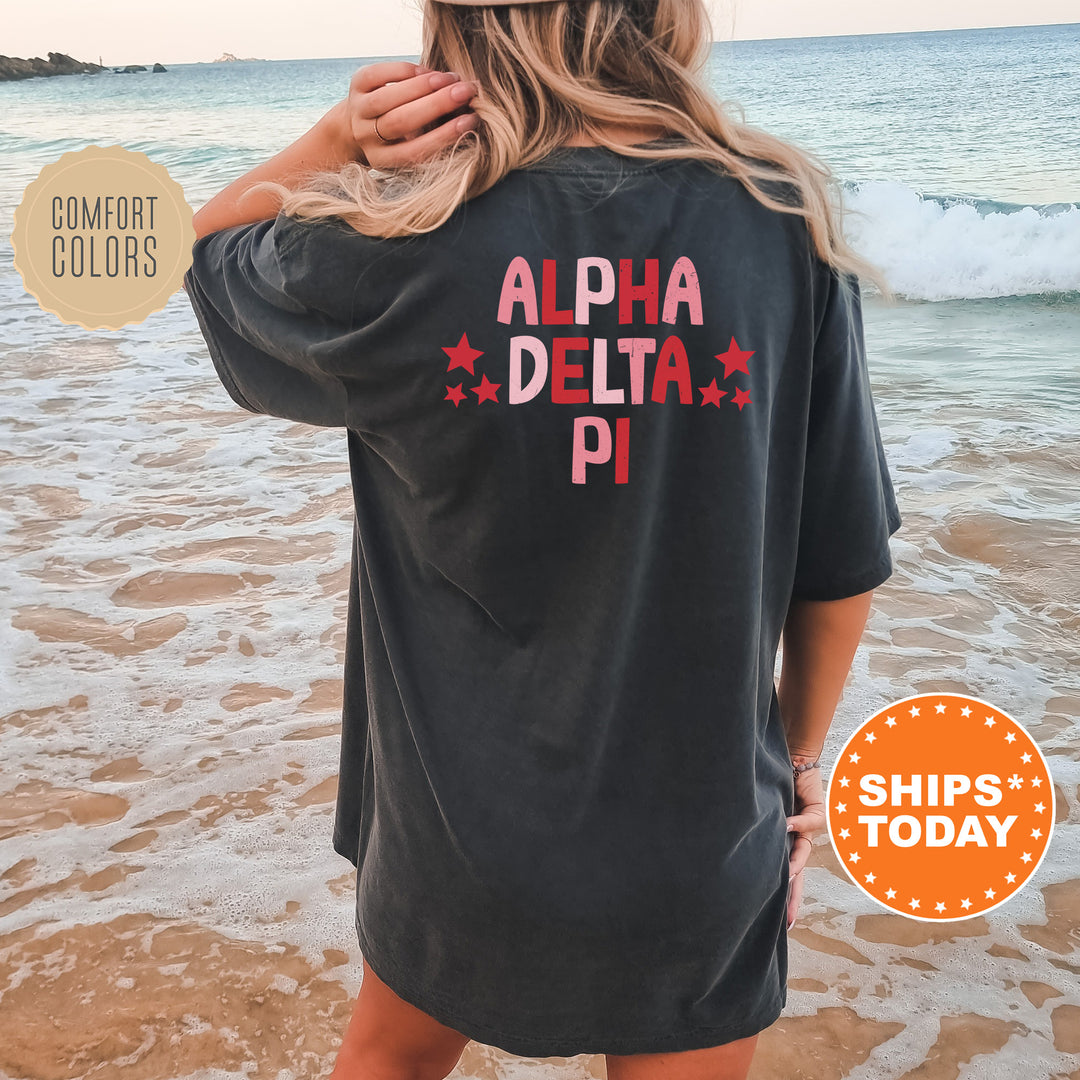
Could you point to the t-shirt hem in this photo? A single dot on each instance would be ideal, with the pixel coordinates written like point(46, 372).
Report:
point(203, 313)
point(842, 588)
point(563, 1044)
point(343, 849)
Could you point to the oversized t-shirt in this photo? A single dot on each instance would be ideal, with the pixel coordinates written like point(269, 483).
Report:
point(603, 425)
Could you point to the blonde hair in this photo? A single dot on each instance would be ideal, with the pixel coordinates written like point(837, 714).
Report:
point(548, 72)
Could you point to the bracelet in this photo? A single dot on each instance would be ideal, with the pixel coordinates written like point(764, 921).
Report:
point(796, 769)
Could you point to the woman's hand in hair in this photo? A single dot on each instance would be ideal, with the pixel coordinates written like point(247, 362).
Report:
point(416, 110)
point(419, 112)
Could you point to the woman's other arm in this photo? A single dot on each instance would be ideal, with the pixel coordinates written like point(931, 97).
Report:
point(403, 96)
point(819, 638)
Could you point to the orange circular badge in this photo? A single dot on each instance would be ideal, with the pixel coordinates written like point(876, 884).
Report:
point(940, 807)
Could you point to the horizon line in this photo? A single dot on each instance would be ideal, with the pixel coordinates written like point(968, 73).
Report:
point(715, 41)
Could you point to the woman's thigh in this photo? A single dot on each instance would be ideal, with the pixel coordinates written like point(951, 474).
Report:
point(728, 1062)
point(389, 1039)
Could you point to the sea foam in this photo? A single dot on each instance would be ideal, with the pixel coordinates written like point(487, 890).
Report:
point(944, 247)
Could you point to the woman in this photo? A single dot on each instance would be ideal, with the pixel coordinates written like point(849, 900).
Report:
point(597, 349)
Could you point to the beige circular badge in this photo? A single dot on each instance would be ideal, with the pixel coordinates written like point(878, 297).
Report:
point(103, 237)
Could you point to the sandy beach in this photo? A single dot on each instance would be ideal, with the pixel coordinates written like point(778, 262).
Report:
point(170, 905)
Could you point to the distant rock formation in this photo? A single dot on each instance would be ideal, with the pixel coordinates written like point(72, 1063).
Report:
point(228, 58)
point(14, 67)
point(159, 67)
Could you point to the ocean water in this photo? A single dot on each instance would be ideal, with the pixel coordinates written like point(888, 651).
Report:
point(175, 573)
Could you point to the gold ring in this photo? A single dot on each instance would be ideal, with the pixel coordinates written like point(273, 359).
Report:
point(377, 132)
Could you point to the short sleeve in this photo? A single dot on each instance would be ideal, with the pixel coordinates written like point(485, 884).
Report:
point(244, 284)
point(848, 510)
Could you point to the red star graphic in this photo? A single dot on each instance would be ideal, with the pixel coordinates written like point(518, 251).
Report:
point(462, 355)
point(742, 397)
point(734, 359)
point(486, 390)
point(455, 394)
point(712, 394)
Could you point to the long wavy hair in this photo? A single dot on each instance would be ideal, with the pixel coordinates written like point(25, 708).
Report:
point(550, 72)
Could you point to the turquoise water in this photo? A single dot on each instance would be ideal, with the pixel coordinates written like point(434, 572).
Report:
point(961, 146)
point(976, 114)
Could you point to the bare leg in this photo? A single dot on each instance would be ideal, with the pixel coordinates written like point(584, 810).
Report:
point(728, 1062)
point(389, 1039)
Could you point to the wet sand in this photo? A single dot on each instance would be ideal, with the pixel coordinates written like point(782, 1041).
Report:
point(170, 903)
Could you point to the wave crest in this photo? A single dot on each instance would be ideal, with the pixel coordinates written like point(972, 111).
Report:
point(942, 247)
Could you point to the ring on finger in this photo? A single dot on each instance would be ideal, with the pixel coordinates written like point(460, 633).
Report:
point(380, 134)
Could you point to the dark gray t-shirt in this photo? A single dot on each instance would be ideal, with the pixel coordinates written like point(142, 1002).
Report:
point(603, 424)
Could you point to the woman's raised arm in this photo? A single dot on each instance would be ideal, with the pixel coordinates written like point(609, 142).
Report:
point(404, 97)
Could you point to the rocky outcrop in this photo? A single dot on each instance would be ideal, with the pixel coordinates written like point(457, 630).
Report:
point(228, 58)
point(14, 67)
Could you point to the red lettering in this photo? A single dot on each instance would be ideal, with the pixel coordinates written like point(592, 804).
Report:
point(672, 365)
point(561, 371)
point(622, 449)
point(648, 292)
point(549, 314)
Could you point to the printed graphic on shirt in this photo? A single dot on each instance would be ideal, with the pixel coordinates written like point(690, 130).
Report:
point(659, 367)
